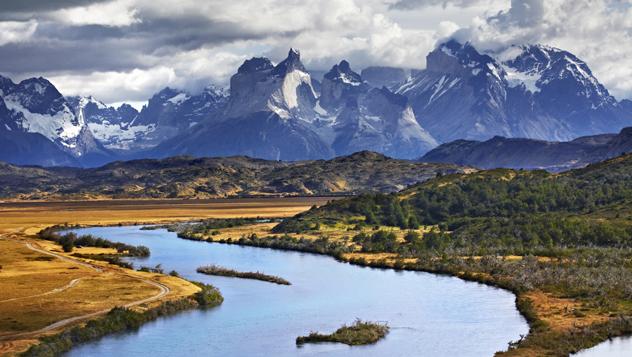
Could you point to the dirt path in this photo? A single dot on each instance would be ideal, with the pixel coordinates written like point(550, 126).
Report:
point(72, 283)
point(62, 257)
point(164, 290)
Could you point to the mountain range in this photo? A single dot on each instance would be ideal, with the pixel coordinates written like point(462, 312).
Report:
point(520, 153)
point(188, 177)
point(280, 112)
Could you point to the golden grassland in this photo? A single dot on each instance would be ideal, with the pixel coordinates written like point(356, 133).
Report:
point(30, 217)
point(38, 289)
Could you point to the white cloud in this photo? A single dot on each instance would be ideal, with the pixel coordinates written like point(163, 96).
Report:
point(114, 13)
point(111, 87)
point(16, 31)
point(138, 105)
point(199, 68)
point(191, 70)
point(415, 4)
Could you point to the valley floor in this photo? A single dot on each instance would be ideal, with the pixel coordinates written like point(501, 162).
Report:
point(44, 290)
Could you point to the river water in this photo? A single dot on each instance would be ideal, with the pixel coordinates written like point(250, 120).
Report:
point(429, 315)
point(617, 347)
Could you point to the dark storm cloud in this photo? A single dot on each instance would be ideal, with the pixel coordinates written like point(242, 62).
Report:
point(90, 48)
point(31, 6)
point(101, 48)
point(53, 31)
point(188, 33)
point(53, 56)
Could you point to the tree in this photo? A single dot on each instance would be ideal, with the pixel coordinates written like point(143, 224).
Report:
point(68, 246)
point(412, 237)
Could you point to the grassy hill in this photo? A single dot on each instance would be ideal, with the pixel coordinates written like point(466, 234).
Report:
point(186, 177)
point(469, 206)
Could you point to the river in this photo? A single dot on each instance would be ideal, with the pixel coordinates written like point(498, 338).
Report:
point(429, 315)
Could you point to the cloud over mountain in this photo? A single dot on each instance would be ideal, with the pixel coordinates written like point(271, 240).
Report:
point(117, 46)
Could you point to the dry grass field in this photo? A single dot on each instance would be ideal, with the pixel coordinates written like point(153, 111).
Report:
point(29, 217)
point(40, 285)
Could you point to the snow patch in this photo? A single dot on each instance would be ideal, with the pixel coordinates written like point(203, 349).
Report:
point(284, 114)
point(115, 136)
point(60, 126)
point(528, 79)
point(346, 79)
point(84, 101)
point(38, 88)
point(178, 98)
point(291, 82)
point(494, 70)
point(442, 87)
point(447, 51)
point(319, 110)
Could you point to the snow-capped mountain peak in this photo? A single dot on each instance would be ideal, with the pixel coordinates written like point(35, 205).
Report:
point(532, 91)
point(339, 85)
point(550, 66)
point(291, 63)
point(342, 72)
point(44, 110)
point(464, 60)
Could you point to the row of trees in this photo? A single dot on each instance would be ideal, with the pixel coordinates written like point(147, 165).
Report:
point(70, 240)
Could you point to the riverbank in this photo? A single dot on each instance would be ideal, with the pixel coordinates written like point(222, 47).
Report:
point(559, 325)
point(120, 320)
point(553, 318)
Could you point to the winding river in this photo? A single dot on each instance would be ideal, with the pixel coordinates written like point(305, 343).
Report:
point(429, 315)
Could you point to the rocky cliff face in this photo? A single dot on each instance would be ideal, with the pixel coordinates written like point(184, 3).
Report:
point(268, 115)
point(366, 118)
point(285, 89)
point(341, 85)
point(167, 114)
point(275, 113)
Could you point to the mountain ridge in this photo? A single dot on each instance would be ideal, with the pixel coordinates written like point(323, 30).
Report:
point(523, 153)
point(236, 176)
point(280, 112)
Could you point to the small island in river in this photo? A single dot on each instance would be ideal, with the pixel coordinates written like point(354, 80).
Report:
point(360, 333)
point(221, 271)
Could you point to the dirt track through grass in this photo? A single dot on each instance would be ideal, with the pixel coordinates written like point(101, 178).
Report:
point(164, 290)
